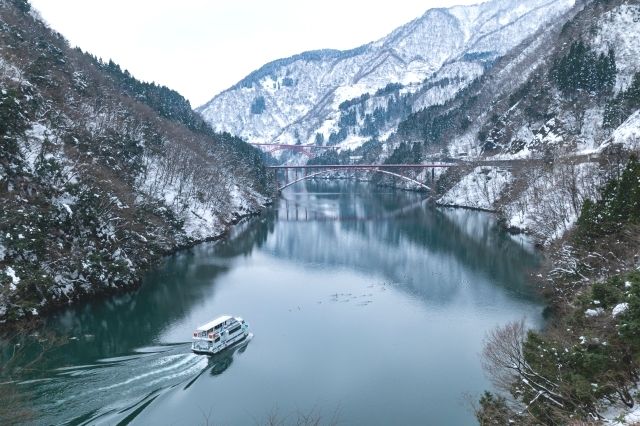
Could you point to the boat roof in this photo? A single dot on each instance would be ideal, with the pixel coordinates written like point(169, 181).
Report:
point(211, 324)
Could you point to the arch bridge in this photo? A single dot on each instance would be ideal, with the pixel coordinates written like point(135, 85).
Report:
point(301, 173)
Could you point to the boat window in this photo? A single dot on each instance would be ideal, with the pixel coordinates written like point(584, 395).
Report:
point(217, 339)
point(234, 330)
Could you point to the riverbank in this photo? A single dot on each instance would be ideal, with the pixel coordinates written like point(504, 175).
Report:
point(139, 259)
point(586, 363)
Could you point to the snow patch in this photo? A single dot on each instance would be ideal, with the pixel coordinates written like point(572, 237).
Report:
point(593, 312)
point(479, 189)
point(628, 134)
point(619, 309)
point(620, 30)
point(15, 280)
point(32, 147)
point(11, 72)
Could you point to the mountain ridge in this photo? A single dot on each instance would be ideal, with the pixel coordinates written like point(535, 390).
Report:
point(299, 95)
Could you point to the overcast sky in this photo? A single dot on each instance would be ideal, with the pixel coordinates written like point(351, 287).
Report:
point(201, 47)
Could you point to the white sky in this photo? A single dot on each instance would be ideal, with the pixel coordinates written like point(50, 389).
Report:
point(201, 47)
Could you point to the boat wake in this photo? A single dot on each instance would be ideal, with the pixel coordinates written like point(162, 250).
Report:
point(118, 389)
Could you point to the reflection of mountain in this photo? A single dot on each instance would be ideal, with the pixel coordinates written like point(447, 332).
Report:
point(431, 252)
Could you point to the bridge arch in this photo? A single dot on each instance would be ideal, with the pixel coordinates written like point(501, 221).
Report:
point(386, 172)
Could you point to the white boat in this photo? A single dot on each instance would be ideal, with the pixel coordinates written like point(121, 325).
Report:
point(219, 334)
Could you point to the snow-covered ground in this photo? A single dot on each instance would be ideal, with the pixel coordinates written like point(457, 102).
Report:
point(545, 202)
point(619, 30)
point(479, 189)
point(552, 201)
point(628, 134)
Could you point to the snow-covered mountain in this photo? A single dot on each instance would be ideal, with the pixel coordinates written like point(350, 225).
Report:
point(101, 174)
point(563, 104)
point(347, 97)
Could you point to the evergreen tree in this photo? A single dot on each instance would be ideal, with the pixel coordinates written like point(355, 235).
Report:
point(258, 106)
point(622, 106)
point(619, 206)
point(583, 69)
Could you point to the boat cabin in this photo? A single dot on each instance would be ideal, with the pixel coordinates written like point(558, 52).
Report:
point(213, 329)
point(219, 334)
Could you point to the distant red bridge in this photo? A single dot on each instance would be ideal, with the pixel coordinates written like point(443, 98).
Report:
point(307, 150)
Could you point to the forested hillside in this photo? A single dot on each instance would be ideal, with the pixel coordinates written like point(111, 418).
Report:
point(100, 174)
point(564, 105)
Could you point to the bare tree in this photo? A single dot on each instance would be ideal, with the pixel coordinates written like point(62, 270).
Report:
point(504, 360)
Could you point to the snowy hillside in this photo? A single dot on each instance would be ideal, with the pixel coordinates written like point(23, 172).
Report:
point(349, 97)
point(101, 174)
point(575, 105)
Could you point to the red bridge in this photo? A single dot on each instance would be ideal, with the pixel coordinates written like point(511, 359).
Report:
point(307, 150)
point(311, 171)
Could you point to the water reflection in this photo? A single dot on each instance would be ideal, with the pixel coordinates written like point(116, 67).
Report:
point(426, 250)
point(137, 319)
point(327, 264)
point(219, 363)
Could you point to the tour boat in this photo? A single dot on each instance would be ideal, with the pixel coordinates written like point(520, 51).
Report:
point(219, 334)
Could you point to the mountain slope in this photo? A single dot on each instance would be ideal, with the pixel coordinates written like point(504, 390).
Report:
point(563, 104)
point(100, 174)
point(349, 97)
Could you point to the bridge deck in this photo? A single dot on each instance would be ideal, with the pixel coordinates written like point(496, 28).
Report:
point(280, 145)
point(362, 166)
point(443, 164)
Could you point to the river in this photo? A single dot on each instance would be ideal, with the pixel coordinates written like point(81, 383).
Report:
point(368, 306)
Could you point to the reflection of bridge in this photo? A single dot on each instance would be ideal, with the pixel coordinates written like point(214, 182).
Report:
point(307, 150)
point(299, 213)
point(311, 171)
